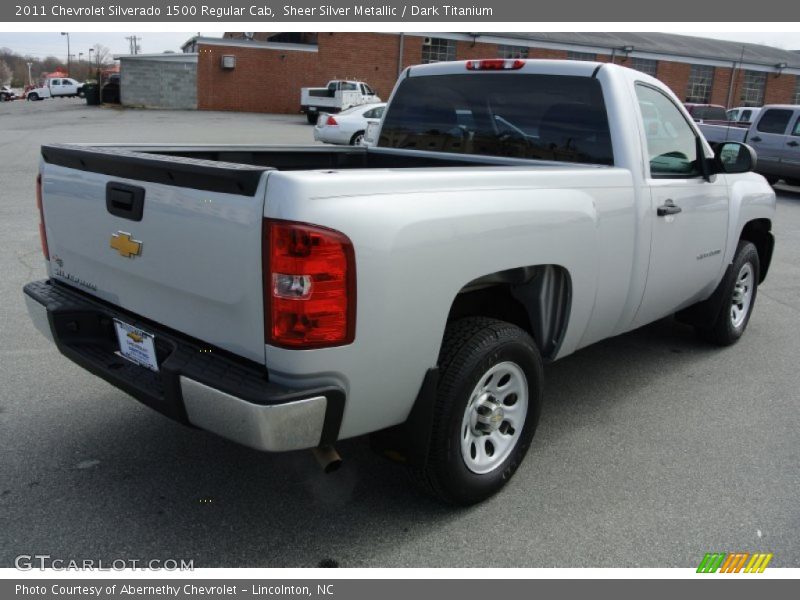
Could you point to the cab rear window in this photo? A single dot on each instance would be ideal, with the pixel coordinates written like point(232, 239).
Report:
point(547, 117)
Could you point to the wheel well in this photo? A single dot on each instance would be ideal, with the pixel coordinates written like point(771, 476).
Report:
point(537, 299)
point(759, 233)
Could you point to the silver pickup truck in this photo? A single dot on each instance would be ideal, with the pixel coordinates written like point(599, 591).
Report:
point(775, 136)
point(509, 213)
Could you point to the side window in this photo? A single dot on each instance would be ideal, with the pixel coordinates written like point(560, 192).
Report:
point(367, 90)
point(774, 120)
point(746, 114)
point(56, 82)
point(671, 142)
point(796, 130)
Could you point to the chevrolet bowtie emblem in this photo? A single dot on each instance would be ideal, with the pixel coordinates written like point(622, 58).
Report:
point(135, 337)
point(125, 245)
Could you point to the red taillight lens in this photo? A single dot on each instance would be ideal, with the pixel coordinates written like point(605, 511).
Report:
point(309, 286)
point(40, 206)
point(495, 64)
point(331, 121)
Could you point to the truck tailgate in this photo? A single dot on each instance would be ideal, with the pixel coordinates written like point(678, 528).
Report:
point(174, 240)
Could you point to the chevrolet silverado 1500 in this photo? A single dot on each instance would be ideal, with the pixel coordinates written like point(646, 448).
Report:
point(508, 213)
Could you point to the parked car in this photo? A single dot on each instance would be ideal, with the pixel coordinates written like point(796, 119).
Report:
point(775, 136)
point(57, 87)
point(335, 97)
point(6, 94)
point(287, 298)
point(707, 113)
point(348, 126)
point(743, 114)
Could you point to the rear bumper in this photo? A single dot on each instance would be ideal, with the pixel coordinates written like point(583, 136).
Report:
point(196, 384)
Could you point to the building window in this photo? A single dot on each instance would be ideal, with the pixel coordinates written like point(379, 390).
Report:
point(512, 51)
point(796, 99)
point(755, 82)
point(438, 50)
point(581, 56)
point(647, 66)
point(701, 79)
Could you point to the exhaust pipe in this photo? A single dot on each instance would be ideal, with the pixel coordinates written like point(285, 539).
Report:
point(328, 458)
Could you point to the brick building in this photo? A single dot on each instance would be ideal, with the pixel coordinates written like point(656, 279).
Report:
point(263, 72)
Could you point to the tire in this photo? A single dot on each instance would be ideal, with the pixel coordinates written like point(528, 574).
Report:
point(478, 440)
point(738, 291)
point(33, 97)
point(311, 118)
point(794, 182)
point(771, 179)
point(356, 139)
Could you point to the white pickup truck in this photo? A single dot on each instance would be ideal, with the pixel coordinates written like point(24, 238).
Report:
point(57, 87)
point(335, 97)
point(510, 213)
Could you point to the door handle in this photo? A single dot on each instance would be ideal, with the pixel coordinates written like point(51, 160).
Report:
point(793, 144)
point(755, 139)
point(668, 208)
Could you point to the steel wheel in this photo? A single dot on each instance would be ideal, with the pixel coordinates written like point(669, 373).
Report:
point(494, 417)
point(742, 295)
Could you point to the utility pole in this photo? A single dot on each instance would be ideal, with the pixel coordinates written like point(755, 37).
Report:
point(133, 42)
point(68, 54)
point(30, 79)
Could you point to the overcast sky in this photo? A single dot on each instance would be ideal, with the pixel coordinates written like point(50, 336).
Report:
point(46, 44)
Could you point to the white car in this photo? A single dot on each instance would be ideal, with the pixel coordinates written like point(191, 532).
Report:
point(348, 126)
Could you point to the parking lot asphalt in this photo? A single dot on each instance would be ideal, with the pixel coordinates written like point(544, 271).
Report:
point(653, 448)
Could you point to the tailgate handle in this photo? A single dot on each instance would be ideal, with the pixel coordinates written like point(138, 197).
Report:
point(125, 201)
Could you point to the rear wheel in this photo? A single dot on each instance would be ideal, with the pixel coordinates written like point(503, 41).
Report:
point(357, 138)
point(738, 296)
point(33, 97)
point(487, 408)
point(311, 118)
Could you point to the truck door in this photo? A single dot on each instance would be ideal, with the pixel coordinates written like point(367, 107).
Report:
point(689, 215)
point(791, 149)
point(768, 138)
point(55, 87)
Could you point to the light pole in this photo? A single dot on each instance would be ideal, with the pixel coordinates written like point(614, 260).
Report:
point(68, 55)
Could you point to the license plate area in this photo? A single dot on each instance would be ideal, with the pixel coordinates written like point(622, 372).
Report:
point(136, 345)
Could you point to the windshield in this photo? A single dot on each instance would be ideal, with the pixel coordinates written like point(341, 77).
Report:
point(550, 117)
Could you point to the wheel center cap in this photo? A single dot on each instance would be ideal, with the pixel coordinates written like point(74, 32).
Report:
point(489, 414)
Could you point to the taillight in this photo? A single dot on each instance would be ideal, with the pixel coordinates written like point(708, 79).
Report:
point(331, 121)
point(40, 206)
point(495, 64)
point(309, 286)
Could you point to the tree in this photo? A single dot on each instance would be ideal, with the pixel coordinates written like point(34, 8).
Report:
point(102, 55)
point(5, 73)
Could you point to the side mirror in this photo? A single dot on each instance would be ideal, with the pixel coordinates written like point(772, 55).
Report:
point(734, 157)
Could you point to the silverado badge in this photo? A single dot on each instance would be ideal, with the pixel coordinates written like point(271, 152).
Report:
point(123, 243)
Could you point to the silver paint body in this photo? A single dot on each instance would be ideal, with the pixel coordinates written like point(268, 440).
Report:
point(420, 235)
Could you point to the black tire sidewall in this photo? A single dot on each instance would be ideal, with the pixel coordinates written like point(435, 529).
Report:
point(464, 485)
point(725, 330)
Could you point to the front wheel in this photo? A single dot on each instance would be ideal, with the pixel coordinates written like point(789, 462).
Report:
point(487, 408)
point(738, 296)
